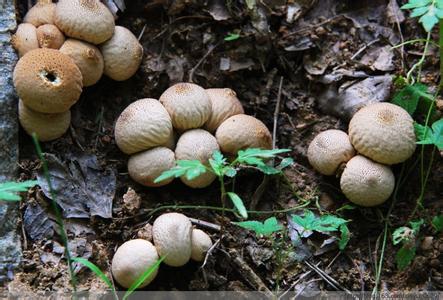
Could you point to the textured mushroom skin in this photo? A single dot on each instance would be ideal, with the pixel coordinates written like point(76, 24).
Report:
point(48, 127)
point(87, 20)
point(146, 166)
point(328, 150)
point(47, 80)
point(384, 132)
point(242, 131)
point(224, 104)
point(201, 243)
point(41, 13)
point(88, 59)
point(131, 260)
point(144, 124)
point(25, 39)
point(172, 237)
point(197, 144)
point(367, 183)
point(122, 54)
point(188, 105)
point(49, 36)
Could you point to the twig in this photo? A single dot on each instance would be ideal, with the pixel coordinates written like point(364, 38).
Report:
point(209, 252)
point(192, 71)
point(74, 137)
point(364, 48)
point(302, 277)
point(142, 32)
point(276, 113)
point(205, 224)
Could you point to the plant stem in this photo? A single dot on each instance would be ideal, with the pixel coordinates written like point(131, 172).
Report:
point(419, 63)
point(440, 42)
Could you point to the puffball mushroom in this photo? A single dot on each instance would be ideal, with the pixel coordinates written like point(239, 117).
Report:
point(224, 104)
point(48, 127)
point(365, 182)
point(201, 243)
point(25, 39)
point(144, 167)
point(49, 36)
point(47, 80)
point(172, 238)
point(131, 260)
point(197, 144)
point(144, 124)
point(188, 105)
point(384, 132)
point(328, 150)
point(242, 131)
point(87, 57)
point(87, 20)
point(122, 54)
point(41, 13)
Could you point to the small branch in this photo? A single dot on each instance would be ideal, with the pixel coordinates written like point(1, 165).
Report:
point(205, 224)
point(192, 71)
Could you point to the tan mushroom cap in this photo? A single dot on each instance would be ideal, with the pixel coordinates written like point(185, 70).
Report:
point(25, 39)
point(171, 142)
point(242, 131)
point(384, 132)
point(201, 243)
point(87, 20)
point(47, 80)
point(172, 238)
point(41, 13)
point(225, 104)
point(49, 36)
point(197, 144)
point(328, 150)
point(188, 105)
point(48, 127)
point(88, 59)
point(122, 54)
point(146, 166)
point(144, 124)
point(367, 183)
point(131, 260)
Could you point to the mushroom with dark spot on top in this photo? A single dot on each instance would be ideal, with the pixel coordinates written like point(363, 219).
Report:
point(25, 39)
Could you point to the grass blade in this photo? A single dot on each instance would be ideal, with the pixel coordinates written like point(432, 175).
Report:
point(96, 270)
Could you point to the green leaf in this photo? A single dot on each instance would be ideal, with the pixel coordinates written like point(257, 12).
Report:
point(251, 4)
point(419, 11)
point(439, 12)
point(416, 3)
point(188, 168)
point(96, 270)
point(286, 162)
point(261, 153)
point(437, 223)
point(321, 224)
point(230, 171)
point(424, 134)
point(437, 128)
point(232, 37)
point(428, 21)
point(143, 277)
point(345, 236)
point(401, 234)
point(408, 97)
point(267, 228)
point(217, 162)
point(439, 3)
point(405, 256)
point(268, 170)
point(238, 203)
point(415, 225)
point(8, 190)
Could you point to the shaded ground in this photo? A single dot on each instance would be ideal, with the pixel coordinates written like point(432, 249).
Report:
point(317, 49)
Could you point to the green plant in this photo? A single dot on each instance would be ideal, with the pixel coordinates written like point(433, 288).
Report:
point(232, 37)
point(437, 223)
point(408, 238)
point(9, 190)
point(220, 166)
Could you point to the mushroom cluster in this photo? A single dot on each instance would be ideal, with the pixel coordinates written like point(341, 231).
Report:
point(380, 135)
point(64, 47)
point(172, 237)
point(202, 121)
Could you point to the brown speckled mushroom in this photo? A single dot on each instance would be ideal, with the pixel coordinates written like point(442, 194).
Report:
point(87, 20)
point(47, 127)
point(122, 54)
point(242, 131)
point(25, 39)
point(384, 132)
point(88, 59)
point(225, 104)
point(47, 80)
point(41, 13)
point(49, 36)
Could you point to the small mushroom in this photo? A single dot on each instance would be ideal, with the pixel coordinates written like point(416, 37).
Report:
point(225, 104)
point(49, 36)
point(48, 127)
point(144, 124)
point(197, 144)
point(328, 150)
point(122, 54)
point(384, 132)
point(47, 80)
point(131, 260)
point(188, 105)
point(25, 39)
point(144, 167)
point(201, 243)
point(88, 59)
point(41, 13)
point(242, 131)
point(171, 142)
point(365, 182)
point(172, 238)
point(87, 20)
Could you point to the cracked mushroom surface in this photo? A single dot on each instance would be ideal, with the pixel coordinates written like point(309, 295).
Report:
point(47, 80)
point(384, 132)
